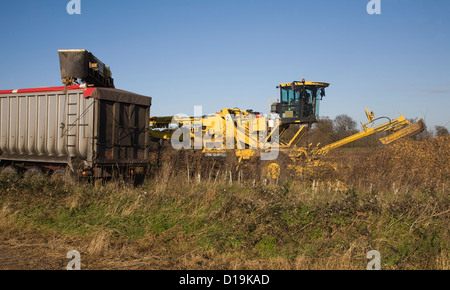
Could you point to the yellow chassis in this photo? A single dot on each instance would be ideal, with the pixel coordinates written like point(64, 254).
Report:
point(242, 130)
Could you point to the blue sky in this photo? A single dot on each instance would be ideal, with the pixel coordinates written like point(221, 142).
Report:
point(233, 53)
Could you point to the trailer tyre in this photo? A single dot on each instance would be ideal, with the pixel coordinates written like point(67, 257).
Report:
point(61, 174)
point(33, 172)
point(9, 171)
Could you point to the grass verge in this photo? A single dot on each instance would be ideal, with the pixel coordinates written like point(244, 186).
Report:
point(173, 224)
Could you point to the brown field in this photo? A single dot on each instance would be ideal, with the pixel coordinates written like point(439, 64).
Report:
point(189, 215)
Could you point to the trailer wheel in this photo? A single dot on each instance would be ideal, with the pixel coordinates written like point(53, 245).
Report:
point(9, 171)
point(33, 172)
point(61, 174)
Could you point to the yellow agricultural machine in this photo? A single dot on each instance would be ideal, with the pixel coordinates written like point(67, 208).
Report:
point(102, 130)
point(248, 135)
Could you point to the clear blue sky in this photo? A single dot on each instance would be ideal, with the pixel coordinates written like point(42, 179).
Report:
point(233, 53)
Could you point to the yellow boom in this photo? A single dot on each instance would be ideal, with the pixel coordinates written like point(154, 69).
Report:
point(251, 133)
point(400, 126)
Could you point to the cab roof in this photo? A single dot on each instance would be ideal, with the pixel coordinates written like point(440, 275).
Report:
point(317, 84)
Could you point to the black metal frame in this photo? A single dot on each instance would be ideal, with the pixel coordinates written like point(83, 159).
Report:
point(301, 106)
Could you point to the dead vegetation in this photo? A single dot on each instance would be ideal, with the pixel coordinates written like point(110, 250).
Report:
point(176, 220)
point(423, 165)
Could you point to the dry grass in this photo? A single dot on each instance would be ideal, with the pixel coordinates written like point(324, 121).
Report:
point(408, 164)
point(173, 221)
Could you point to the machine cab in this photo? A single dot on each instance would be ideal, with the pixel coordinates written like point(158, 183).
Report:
point(299, 102)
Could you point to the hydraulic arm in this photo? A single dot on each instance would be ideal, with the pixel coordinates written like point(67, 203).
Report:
point(400, 127)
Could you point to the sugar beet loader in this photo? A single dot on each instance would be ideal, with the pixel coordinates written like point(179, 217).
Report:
point(248, 135)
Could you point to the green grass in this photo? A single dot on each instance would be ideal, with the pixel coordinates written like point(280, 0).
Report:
point(242, 222)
